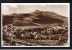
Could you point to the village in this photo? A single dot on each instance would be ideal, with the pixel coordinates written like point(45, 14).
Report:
point(33, 30)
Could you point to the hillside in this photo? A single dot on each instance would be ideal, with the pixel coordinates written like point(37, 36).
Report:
point(40, 17)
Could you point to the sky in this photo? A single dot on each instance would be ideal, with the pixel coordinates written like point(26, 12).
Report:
point(9, 8)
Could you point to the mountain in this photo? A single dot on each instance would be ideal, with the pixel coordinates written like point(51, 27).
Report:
point(47, 14)
point(37, 17)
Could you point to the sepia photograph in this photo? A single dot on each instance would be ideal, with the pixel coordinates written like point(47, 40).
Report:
point(35, 25)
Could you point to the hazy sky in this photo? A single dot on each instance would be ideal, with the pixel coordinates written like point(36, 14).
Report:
point(9, 8)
